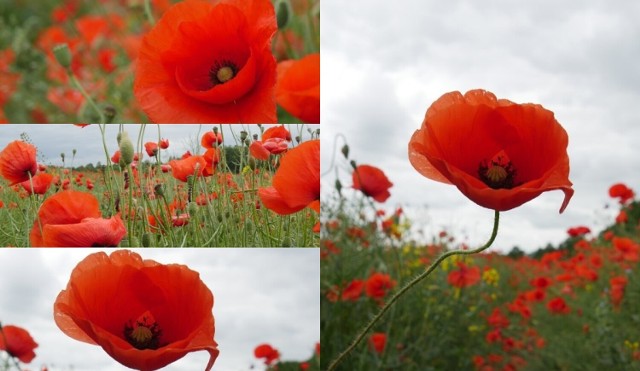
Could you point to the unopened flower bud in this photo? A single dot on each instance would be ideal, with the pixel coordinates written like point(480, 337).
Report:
point(63, 55)
point(126, 150)
point(338, 185)
point(345, 151)
point(159, 190)
point(243, 135)
point(353, 164)
point(298, 139)
point(283, 11)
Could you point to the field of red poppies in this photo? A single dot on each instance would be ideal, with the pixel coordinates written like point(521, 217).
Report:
point(143, 61)
point(262, 190)
point(554, 309)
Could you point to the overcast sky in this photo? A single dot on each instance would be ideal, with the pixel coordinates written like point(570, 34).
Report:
point(260, 296)
point(53, 139)
point(385, 62)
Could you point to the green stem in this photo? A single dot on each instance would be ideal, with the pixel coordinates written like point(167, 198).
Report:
point(408, 286)
point(148, 12)
point(86, 96)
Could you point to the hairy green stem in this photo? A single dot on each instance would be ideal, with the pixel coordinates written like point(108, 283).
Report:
point(409, 285)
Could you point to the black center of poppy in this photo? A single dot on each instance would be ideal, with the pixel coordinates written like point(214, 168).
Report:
point(143, 334)
point(497, 173)
point(221, 72)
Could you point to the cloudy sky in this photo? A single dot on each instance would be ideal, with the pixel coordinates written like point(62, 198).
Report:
point(256, 299)
point(54, 139)
point(385, 62)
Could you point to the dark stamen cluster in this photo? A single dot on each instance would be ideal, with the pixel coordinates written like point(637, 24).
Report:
point(150, 338)
point(215, 69)
point(501, 178)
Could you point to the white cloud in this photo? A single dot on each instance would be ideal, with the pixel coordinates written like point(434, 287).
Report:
point(385, 62)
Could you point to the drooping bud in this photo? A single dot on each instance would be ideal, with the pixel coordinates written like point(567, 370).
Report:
point(345, 151)
point(338, 185)
point(159, 190)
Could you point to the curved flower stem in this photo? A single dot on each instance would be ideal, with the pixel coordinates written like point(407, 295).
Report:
point(408, 286)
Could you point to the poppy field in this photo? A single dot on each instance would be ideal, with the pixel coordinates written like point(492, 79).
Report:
point(258, 187)
point(487, 311)
point(391, 299)
point(143, 61)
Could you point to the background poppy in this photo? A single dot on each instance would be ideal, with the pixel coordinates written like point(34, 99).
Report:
point(18, 162)
point(18, 342)
point(296, 183)
point(298, 88)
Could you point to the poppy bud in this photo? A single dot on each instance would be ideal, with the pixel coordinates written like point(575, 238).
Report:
point(345, 151)
point(247, 142)
point(109, 112)
point(255, 136)
point(318, 132)
point(159, 190)
point(63, 55)
point(147, 240)
point(220, 219)
point(298, 139)
point(192, 208)
point(249, 226)
point(338, 185)
point(353, 164)
point(243, 135)
point(215, 130)
point(126, 150)
point(283, 11)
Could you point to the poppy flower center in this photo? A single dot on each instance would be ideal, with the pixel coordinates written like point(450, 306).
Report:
point(498, 173)
point(144, 333)
point(222, 72)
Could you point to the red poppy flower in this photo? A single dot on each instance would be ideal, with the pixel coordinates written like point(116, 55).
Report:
point(578, 231)
point(622, 217)
point(276, 132)
point(541, 282)
point(618, 285)
point(275, 146)
point(151, 148)
point(257, 151)
point(378, 341)
point(18, 162)
point(211, 139)
point(378, 284)
point(266, 351)
point(497, 319)
point(464, 276)
point(497, 153)
point(18, 343)
point(296, 183)
point(164, 143)
point(372, 182)
point(116, 157)
point(558, 306)
point(41, 184)
point(73, 219)
point(621, 192)
point(298, 88)
point(627, 249)
point(145, 315)
point(353, 290)
point(193, 165)
point(212, 159)
point(232, 80)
